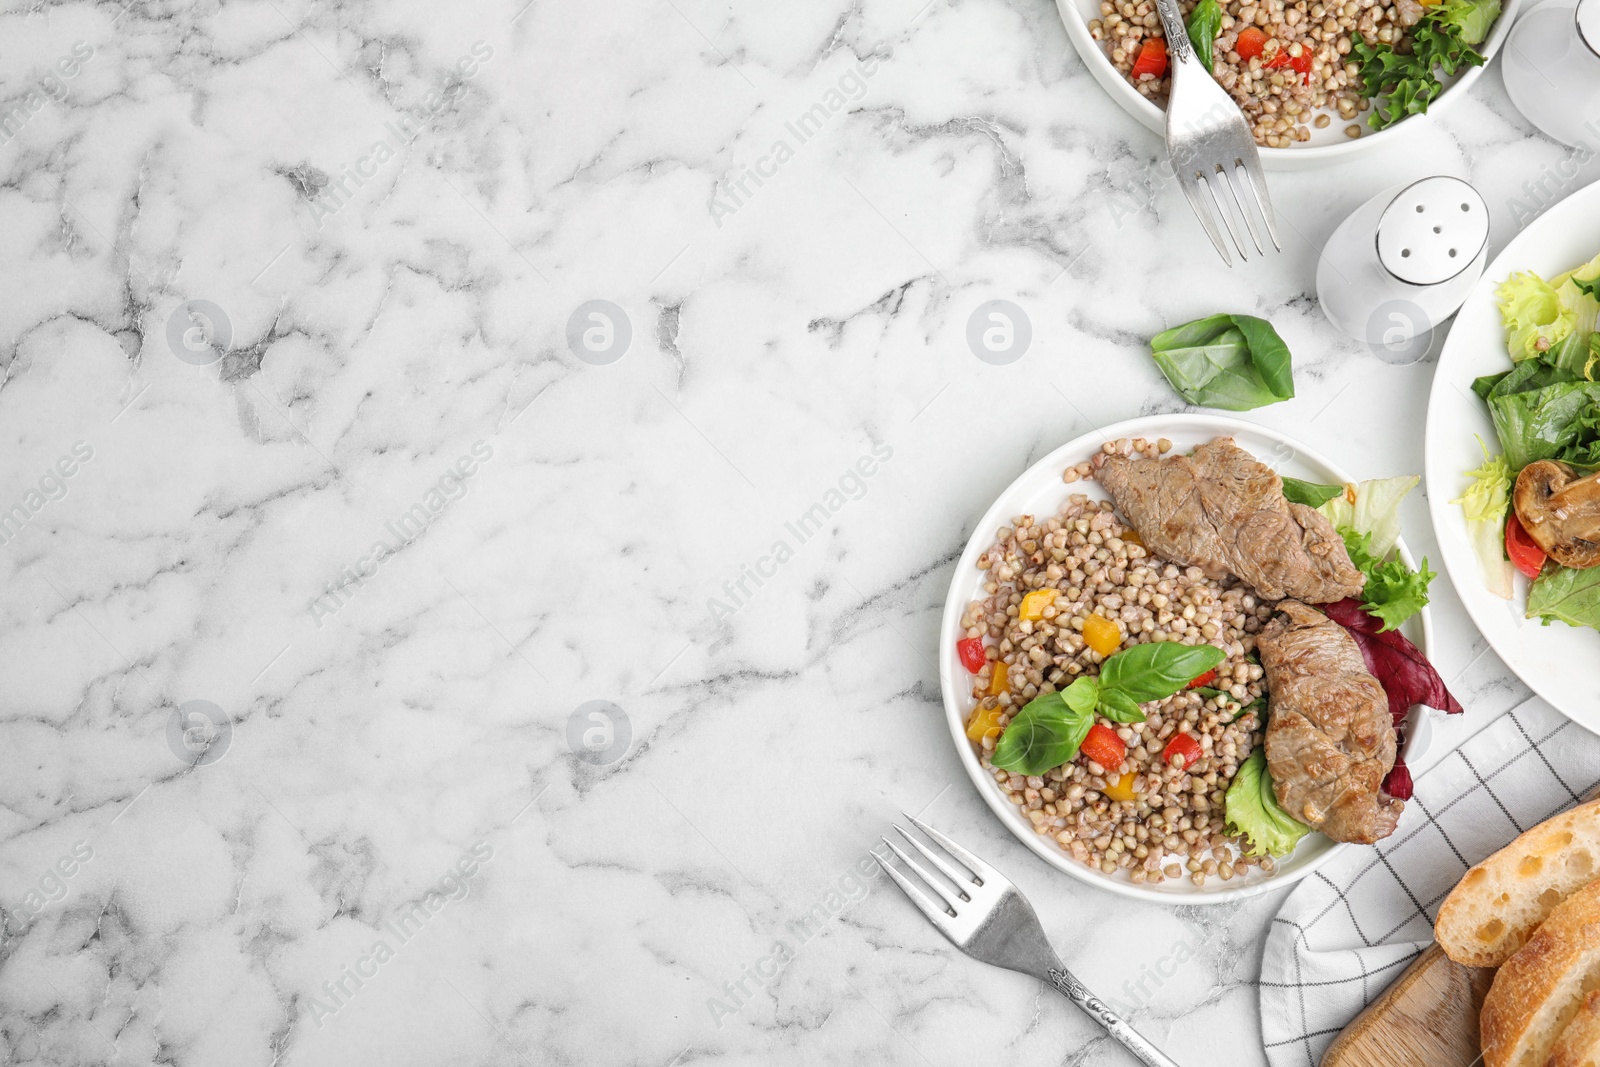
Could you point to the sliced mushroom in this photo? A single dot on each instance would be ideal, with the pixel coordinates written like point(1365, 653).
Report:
point(1561, 512)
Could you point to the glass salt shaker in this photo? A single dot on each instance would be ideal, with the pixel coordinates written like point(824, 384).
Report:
point(1552, 70)
point(1402, 263)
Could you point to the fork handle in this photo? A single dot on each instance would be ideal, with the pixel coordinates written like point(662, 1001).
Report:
point(1114, 1024)
point(1179, 49)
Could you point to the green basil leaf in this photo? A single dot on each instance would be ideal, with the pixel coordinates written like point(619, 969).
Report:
point(1232, 362)
point(1082, 695)
point(1269, 353)
point(1043, 736)
point(1156, 670)
point(1205, 22)
point(1119, 706)
point(1310, 494)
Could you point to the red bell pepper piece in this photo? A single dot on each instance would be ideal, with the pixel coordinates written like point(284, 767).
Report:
point(1205, 679)
point(1183, 746)
point(970, 649)
point(1104, 747)
point(1152, 59)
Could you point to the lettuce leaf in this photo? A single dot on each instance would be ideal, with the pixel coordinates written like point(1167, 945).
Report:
point(1471, 18)
point(1394, 592)
point(1311, 494)
point(1571, 596)
point(1373, 507)
point(1485, 504)
point(1253, 810)
point(1535, 318)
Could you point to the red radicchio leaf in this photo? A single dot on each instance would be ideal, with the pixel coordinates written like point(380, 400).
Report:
point(1398, 782)
point(1404, 672)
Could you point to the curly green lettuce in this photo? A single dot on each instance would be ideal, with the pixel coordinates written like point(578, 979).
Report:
point(1536, 317)
point(1485, 504)
point(1253, 810)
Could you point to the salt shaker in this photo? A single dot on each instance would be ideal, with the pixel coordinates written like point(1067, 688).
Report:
point(1552, 70)
point(1402, 263)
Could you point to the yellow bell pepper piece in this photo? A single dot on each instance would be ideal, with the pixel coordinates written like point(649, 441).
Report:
point(997, 680)
point(1034, 603)
point(1120, 788)
point(983, 720)
point(1101, 634)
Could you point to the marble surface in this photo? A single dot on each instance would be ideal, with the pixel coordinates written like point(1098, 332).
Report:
point(329, 543)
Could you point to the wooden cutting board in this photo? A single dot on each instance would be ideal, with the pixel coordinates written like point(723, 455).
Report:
point(1428, 1016)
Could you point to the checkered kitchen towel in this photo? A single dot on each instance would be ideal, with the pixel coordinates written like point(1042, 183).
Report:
point(1349, 929)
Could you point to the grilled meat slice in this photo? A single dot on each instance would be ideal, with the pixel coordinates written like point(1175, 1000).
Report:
point(1561, 512)
point(1223, 511)
point(1331, 740)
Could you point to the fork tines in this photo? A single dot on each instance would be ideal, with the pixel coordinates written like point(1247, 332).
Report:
point(1237, 177)
point(977, 877)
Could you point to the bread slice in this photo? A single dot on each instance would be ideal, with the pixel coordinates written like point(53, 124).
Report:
point(1579, 1045)
point(1541, 988)
point(1496, 906)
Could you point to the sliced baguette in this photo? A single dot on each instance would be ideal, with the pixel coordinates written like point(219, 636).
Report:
point(1499, 903)
point(1540, 989)
point(1579, 1045)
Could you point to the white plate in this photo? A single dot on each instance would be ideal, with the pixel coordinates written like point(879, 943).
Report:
point(1557, 661)
point(1040, 491)
point(1326, 147)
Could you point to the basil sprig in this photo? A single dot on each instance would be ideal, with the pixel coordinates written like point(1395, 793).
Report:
point(1049, 730)
point(1205, 22)
point(1310, 494)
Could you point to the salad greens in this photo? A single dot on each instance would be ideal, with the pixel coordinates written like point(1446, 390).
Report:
point(1486, 503)
point(1310, 494)
point(1572, 596)
point(1367, 516)
point(1050, 729)
point(1394, 592)
point(1232, 362)
point(1373, 507)
point(1405, 83)
point(1205, 22)
point(1535, 317)
point(1545, 407)
point(1252, 809)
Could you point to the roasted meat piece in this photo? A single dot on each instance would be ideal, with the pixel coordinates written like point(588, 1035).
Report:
point(1561, 512)
point(1223, 511)
point(1331, 739)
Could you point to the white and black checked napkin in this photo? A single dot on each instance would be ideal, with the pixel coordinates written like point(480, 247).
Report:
point(1349, 929)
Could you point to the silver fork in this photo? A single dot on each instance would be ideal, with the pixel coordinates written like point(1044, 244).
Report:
point(1210, 144)
point(987, 918)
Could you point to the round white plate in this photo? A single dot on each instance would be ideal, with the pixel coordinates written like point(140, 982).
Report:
point(1326, 146)
point(1557, 661)
point(1040, 491)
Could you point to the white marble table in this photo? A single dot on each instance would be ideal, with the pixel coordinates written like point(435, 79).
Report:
point(397, 535)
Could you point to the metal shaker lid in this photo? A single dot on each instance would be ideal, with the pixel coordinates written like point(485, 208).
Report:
point(1433, 230)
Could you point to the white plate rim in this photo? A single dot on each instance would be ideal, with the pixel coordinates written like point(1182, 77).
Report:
point(1153, 118)
point(956, 599)
point(1543, 246)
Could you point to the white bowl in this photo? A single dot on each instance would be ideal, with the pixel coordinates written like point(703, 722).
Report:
point(1040, 491)
point(1556, 661)
point(1325, 148)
